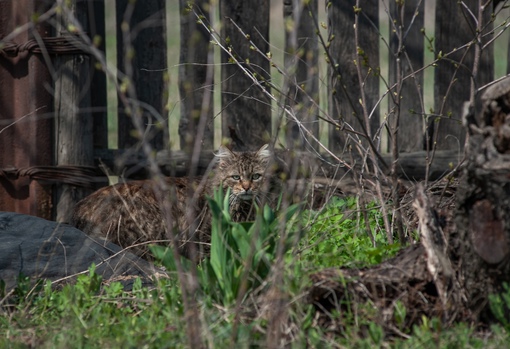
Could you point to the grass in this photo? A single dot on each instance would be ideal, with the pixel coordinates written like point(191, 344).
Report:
point(232, 294)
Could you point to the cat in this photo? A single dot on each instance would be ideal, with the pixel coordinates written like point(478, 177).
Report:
point(131, 214)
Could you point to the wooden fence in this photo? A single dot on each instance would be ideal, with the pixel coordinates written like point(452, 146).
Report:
point(53, 84)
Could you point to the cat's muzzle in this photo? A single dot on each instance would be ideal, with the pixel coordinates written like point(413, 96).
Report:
point(246, 196)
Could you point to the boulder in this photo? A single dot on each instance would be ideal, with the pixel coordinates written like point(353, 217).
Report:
point(42, 249)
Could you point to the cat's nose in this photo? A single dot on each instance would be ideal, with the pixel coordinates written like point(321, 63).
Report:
point(246, 185)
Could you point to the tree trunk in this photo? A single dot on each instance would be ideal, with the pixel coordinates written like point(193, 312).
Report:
point(453, 270)
point(483, 204)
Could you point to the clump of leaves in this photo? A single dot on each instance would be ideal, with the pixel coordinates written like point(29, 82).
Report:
point(242, 253)
point(337, 236)
point(500, 306)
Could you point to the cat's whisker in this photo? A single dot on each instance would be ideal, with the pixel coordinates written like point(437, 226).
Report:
point(262, 196)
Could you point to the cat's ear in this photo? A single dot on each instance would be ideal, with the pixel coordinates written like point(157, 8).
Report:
point(224, 152)
point(224, 155)
point(264, 153)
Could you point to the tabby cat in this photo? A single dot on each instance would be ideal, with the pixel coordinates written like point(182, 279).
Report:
point(131, 215)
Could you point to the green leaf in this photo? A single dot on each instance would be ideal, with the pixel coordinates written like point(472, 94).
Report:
point(269, 215)
point(241, 238)
point(166, 257)
point(218, 260)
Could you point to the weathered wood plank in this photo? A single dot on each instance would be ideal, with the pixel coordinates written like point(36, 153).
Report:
point(456, 28)
point(246, 109)
point(142, 57)
point(27, 107)
point(98, 94)
point(406, 114)
point(345, 88)
point(73, 119)
point(411, 165)
point(301, 67)
point(196, 77)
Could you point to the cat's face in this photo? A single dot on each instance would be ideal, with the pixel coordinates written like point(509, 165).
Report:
point(244, 173)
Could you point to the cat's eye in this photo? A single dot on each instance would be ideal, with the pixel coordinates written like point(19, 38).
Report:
point(236, 177)
point(256, 176)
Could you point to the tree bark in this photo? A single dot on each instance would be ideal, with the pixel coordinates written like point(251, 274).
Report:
point(483, 204)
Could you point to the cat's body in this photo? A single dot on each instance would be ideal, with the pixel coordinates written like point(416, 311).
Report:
point(131, 213)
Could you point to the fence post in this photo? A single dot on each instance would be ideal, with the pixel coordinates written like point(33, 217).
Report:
point(73, 117)
point(344, 88)
point(455, 28)
point(301, 65)
point(196, 77)
point(406, 113)
point(141, 56)
point(26, 112)
point(246, 117)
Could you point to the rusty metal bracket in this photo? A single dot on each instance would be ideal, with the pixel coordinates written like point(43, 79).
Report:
point(62, 45)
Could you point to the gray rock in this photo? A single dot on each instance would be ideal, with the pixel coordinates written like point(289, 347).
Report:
point(37, 248)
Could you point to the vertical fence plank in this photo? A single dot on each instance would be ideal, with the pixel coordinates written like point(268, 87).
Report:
point(246, 109)
point(73, 117)
point(98, 94)
point(141, 26)
point(344, 91)
point(406, 114)
point(301, 65)
point(455, 28)
point(25, 115)
point(196, 77)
